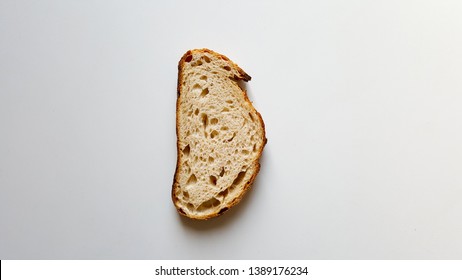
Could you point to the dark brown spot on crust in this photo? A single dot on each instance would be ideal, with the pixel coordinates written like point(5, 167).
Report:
point(246, 77)
point(222, 210)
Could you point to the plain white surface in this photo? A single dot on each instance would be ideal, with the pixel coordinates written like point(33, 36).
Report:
point(361, 100)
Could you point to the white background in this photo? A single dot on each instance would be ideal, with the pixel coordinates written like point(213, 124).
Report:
point(362, 105)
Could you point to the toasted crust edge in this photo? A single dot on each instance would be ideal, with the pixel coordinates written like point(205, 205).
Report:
point(244, 77)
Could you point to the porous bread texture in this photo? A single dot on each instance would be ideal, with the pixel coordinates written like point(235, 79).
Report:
point(220, 136)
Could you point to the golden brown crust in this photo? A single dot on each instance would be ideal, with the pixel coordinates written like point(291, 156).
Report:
point(243, 76)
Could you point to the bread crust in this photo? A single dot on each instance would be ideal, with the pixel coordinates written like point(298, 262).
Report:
point(244, 77)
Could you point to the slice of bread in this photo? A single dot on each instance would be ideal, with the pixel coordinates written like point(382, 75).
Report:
point(220, 136)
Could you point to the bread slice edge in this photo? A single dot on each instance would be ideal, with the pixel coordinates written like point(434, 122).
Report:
point(243, 76)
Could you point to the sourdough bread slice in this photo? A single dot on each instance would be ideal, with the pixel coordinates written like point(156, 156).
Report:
point(220, 135)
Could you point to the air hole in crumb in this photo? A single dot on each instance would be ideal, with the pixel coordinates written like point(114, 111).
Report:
point(239, 178)
point(204, 92)
point(213, 202)
point(206, 58)
point(213, 134)
point(213, 180)
point(192, 180)
point(232, 137)
point(196, 89)
point(214, 121)
point(211, 159)
point(251, 117)
point(204, 78)
point(196, 112)
point(188, 58)
point(223, 193)
point(222, 172)
point(229, 101)
point(186, 150)
point(190, 207)
point(204, 119)
point(227, 68)
point(254, 148)
point(224, 128)
point(186, 195)
point(225, 110)
point(245, 152)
